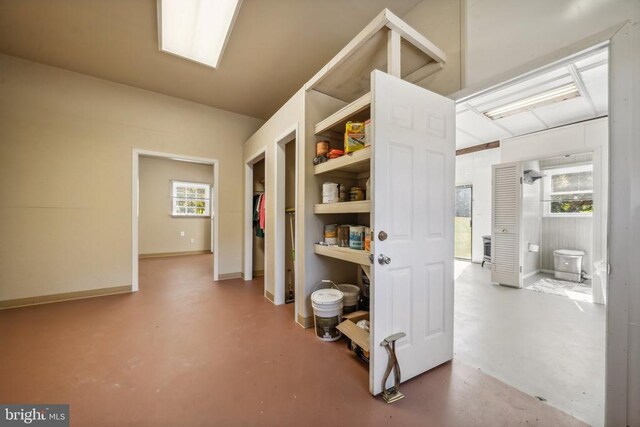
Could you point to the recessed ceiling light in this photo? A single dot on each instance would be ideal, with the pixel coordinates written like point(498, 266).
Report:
point(545, 98)
point(197, 30)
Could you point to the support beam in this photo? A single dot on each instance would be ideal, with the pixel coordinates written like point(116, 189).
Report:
point(480, 147)
point(393, 54)
point(424, 72)
point(582, 89)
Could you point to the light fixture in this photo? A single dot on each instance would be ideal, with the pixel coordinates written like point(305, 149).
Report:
point(545, 98)
point(196, 29)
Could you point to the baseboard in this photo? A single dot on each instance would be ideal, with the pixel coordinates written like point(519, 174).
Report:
point(526, 276)
point(547, 271)
point(229, 276)
point(305, 322)
point(170, 254)
point(67, 296)
point(258, 273)
point(268, 295)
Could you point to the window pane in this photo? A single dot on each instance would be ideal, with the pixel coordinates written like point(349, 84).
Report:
point(576, 181)
point(582, 203)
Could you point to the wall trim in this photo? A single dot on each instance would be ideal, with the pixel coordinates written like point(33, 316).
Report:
point(533, 273)
point(305, 322)
point(229, 276)
point(67, 296)
point(268, 295)
point(258, 273)
point(173, 254)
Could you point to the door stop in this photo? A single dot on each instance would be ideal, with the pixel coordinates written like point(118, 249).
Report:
point(393, 393)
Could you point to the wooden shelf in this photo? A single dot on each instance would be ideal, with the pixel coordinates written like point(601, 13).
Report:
point(356, 162)
point(339, 119)
point(362, 206)
point(344, 254)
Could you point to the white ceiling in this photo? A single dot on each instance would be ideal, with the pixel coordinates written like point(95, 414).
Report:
point(274, 48)
point(591, 73)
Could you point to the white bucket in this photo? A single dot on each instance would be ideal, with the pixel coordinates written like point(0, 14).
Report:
point(330, 192)
point(351, 297)
point(327, 313)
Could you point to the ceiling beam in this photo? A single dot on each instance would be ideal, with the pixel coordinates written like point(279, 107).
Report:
point(582, 89)
point(476, 148)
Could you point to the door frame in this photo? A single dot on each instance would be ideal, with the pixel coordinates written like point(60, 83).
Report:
point(622, 101)
point(135, 205)
point(290, 134)
point(470, 259)
point(259, 155)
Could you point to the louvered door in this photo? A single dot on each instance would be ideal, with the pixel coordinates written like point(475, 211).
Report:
point(506, 211)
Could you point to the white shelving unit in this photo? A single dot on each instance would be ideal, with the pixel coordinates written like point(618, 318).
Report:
point(361, 206)
point(404, 119)
point(345, 254)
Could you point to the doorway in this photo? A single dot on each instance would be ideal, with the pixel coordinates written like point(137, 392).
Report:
point(209, 202)
point(463, 222)
point(546, 345)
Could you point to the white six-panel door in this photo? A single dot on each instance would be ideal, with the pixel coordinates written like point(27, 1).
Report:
point(506, 211)
point(413, 180)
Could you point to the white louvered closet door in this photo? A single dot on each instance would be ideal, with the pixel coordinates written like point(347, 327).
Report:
point(506, 210)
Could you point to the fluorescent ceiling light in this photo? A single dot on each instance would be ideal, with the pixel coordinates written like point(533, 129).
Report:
point(196, 29)
point(549, 97)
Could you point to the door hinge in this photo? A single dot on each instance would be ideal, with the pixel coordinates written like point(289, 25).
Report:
point(520, 269)
point(520, 180)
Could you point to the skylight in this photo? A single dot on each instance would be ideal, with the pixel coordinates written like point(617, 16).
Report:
point(197, 30)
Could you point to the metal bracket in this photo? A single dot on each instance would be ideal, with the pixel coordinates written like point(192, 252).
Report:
point(392, 394)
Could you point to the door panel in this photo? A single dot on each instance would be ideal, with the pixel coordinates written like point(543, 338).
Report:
point(506, 208)
point(413, 182)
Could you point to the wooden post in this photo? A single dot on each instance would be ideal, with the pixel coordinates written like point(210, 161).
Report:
point(393, 53)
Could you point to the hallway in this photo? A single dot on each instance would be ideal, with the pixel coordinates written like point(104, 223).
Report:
point(188, 351)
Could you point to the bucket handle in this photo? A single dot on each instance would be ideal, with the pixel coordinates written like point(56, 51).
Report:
point(325, 281)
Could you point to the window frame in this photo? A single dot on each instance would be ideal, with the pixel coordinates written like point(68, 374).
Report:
point(174, 198)
point(547, 194)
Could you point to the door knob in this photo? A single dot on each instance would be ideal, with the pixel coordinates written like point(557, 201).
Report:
point(383, 259)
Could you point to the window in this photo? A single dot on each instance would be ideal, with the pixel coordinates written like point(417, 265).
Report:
point(190, 199)
point(569, 190)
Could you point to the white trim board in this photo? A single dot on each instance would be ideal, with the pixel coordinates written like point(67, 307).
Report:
point(135, 205)
point(248, 212)
point(290, 134)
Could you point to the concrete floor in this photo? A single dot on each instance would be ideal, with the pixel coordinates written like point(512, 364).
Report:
point(187, 351)
point(544, 345)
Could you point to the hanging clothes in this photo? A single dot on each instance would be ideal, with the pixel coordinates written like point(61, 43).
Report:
point(258, 225)
point(263, 220)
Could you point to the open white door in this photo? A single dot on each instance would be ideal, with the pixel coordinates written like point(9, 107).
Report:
point(506, 213)
point(413, 178)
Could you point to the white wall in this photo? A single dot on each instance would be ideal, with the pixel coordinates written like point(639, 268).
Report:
point(531, 220)
point(591, 136)
point(502, 35)
point(159, 231)
point(66, 144)
point(291, 114)
point(475, 169)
